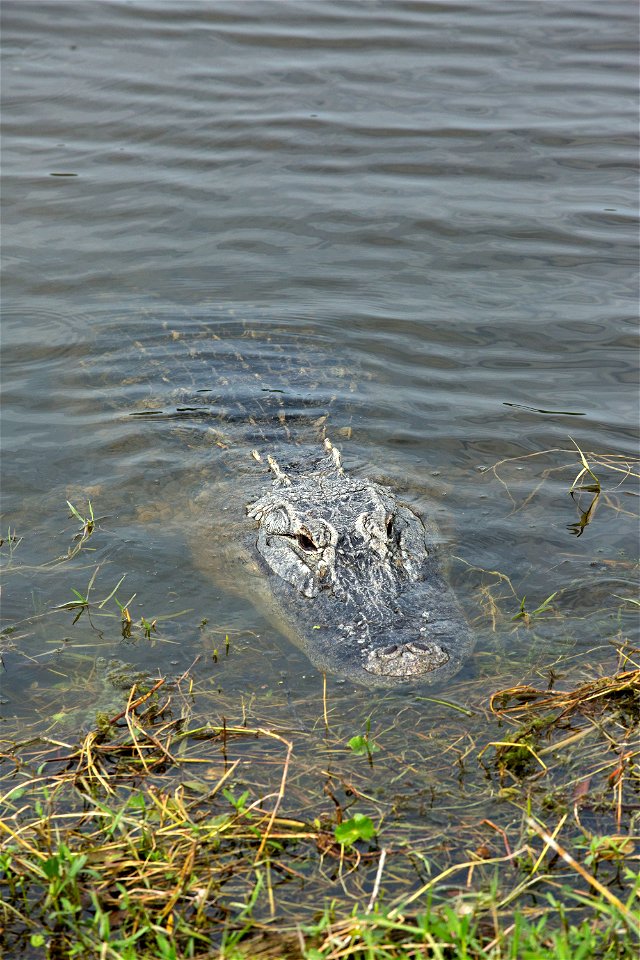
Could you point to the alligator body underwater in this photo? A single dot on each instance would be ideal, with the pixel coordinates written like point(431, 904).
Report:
point(357, 576)
point(334, 561)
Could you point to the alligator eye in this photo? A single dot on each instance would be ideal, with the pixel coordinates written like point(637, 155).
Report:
point(306, 542)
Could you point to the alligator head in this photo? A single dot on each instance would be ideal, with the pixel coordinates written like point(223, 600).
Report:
point(357, 574)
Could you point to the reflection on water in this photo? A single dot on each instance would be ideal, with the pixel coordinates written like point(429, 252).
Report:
point(241, 225)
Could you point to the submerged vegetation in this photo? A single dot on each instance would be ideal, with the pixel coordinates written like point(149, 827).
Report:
point(174, 816)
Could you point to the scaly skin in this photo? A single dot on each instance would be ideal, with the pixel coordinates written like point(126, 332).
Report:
point(357, 574)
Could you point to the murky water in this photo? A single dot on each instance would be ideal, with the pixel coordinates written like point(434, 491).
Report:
point(411, 225)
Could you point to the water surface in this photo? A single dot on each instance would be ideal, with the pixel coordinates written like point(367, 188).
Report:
point(410, 226)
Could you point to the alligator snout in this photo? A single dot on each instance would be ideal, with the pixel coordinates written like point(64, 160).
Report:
point(411, 659)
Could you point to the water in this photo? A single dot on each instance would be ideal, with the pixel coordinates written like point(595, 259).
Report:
point(415, 219)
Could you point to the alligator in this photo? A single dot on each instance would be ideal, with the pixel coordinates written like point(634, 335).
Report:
point(357, 574)
point(334, 561)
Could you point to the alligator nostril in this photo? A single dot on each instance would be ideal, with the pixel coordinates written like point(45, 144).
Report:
point(429, 652)
point(421, 645)
point(392, 650)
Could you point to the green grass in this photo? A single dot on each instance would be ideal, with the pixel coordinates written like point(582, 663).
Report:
point(135, 841)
